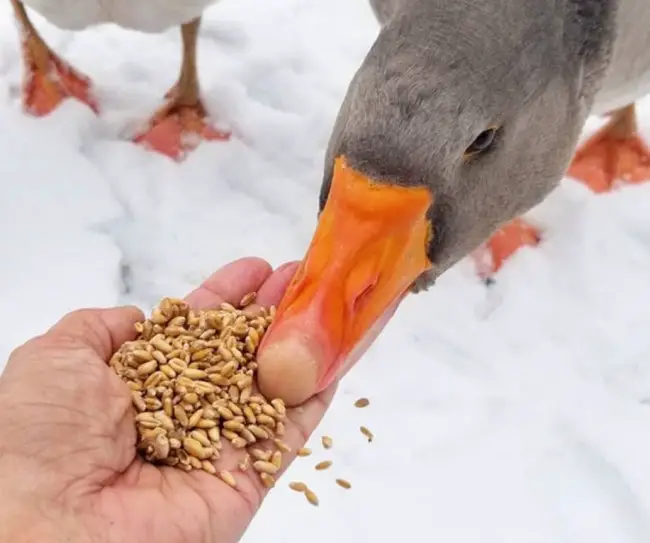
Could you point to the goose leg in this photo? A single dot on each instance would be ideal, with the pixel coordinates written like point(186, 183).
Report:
point(615, 154)
point(179, 125)
point(48, 79)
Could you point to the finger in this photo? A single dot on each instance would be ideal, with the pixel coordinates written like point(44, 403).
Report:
point(230, 283)
point(102, 330)
point(272, 291)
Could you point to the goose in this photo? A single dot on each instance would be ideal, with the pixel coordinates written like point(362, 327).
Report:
point(462, 116)
point(180, 122)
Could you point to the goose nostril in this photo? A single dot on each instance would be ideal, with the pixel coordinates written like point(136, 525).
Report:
point(362, 297)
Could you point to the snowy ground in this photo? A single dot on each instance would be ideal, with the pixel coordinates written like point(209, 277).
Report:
point(514, 416)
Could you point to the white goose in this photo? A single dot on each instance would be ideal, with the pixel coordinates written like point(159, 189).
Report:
point(49, 80)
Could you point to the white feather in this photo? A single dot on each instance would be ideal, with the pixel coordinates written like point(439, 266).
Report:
point(143, 15)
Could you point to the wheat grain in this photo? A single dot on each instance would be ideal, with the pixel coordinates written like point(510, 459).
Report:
point(367, 433)
point(343, 483)
point(311, 497)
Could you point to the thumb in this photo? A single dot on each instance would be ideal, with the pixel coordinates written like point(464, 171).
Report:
point(102, 330)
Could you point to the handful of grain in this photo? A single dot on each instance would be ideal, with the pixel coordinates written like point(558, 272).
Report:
point(191, 375)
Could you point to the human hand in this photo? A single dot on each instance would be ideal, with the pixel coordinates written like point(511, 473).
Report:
point(68, 465)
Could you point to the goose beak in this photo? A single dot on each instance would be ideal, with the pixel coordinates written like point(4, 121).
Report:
point(369, 246)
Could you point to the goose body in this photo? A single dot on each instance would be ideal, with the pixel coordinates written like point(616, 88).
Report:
point(628, 75)
point(463, 116)
point(142, 15)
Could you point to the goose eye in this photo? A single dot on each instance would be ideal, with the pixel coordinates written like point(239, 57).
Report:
point(482, 143)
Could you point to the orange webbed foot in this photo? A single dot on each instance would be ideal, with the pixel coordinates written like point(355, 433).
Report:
point(49, 80)
point(490, 256)
point(176, 128)
point(615, 155)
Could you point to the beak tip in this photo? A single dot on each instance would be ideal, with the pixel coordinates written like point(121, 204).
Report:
point(288, 370)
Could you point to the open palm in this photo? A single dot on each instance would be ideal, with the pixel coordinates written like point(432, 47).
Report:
point(72, 438)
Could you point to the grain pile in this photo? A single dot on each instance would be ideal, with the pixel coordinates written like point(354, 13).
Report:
point(192, 380)
point(191, 375)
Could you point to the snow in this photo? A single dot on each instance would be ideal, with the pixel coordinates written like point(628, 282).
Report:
point(509, 415)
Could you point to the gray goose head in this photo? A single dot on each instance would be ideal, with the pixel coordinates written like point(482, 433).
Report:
point(462, 116)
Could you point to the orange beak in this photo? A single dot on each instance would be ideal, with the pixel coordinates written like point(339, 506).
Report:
point(369, 246)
